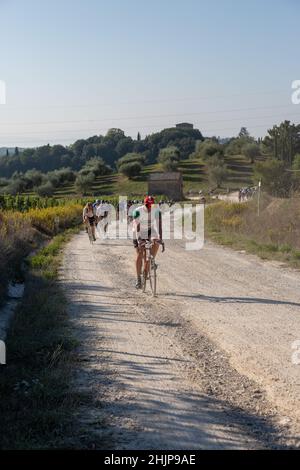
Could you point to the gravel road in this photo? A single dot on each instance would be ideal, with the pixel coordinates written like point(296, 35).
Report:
point(205, 365)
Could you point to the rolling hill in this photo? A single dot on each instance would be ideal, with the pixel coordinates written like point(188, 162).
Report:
point(194, 178)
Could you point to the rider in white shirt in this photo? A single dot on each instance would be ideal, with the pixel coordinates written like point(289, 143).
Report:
point(102, 213)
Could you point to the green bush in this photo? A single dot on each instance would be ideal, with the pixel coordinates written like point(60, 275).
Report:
point(84, 182)
point(276, 181)
point(131, 169)
point(131, 158)
point(169, 158)
point(210, 148)
point(45, 190)
point(251, 151)
point(217, 174)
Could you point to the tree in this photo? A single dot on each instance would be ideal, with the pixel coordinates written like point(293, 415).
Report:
point(169, 158)
point(131, 158)
point(124, 146)
point(217, 175)
point(208, 149)
point(83, 182)
point(296, 162)
point(296, 172)
point(45, 190)
point(16, 186)
point(182, 138)
point(217, 170)
point(96, 166)
point(16, 151)
point(114, 134)
point(131, 169)
point(110, 147)
point(88, 152)
point(243, 133)
point(78, 147)
point(275, 179)
point(33, 178)
point(53, 178)
point(251, 151)
point(283, 142)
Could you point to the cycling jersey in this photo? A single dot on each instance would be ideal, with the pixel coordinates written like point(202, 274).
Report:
point(103, 210)
point(88, 212)
point(145, 223)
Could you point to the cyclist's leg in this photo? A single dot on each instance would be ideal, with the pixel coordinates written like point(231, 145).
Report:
point(138, 263)
point(93, 226)
point(154, 249)
point(105, 221)
point(100, 225)
point(146, 263)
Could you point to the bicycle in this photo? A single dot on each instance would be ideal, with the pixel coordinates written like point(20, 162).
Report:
point(90, 233)
point(151, 274)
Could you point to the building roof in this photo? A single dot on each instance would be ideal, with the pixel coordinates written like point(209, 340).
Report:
point(185, 124)
point(165, 176)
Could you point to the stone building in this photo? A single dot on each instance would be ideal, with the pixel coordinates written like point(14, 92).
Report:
point(166, 183)
point(184, 125)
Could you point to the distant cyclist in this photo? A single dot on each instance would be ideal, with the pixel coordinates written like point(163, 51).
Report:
point(102, 213)
point(88, 216)
point(96, 204)
point(147, 225)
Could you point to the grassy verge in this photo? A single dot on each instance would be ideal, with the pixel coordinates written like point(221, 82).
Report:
point(22, 232)
point(37, 402)
point(274, 235)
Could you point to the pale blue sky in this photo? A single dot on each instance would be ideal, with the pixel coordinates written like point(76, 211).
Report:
point(74, 68)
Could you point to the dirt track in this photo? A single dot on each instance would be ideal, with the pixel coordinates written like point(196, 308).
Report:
point(208, 364)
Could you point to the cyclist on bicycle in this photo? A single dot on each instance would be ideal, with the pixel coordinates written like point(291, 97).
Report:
point(88, 216)
point(147, 225)
point(103, 212)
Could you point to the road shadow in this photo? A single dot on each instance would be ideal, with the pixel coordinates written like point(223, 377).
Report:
point(137, 400)
point(229, 299)
point(154, 410)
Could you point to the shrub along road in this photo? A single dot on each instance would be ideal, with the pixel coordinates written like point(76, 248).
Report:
point(206, 365)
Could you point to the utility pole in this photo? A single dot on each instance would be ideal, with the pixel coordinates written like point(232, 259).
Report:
point(258, 198)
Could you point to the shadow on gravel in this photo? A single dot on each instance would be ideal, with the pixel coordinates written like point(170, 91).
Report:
point(140, 401)
point(242, 300)
point(124, 353)
point(136, 412)
point(106, 313)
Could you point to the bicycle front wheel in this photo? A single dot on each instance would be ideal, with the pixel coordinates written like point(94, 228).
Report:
point(152, 276)
point(90, 234)
point(144, 281)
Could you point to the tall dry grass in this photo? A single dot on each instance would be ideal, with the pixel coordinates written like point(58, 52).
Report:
point(275, 230)
point(20, 233)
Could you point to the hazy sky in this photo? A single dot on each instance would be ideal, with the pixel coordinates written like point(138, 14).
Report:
point(74, 68)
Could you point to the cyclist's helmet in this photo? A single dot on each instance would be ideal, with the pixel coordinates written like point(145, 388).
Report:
point(149, 201)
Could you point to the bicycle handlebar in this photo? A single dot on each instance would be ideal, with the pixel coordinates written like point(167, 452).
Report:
point(152, 242)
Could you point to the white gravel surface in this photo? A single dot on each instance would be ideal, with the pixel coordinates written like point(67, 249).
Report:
point(205, 365)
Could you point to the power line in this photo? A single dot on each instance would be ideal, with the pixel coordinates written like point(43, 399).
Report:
point(151, 125)
point(154, 116)
point(173, 100)
point(46, 141)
